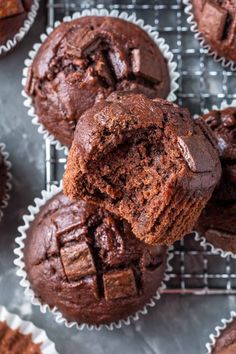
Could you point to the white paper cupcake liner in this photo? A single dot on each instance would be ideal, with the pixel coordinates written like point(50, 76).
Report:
point(198, 35)
point(203, 241)
point(160, 42)
point(218, 330)
point(39, 336)
point(4, 201)
point(11, 43)
point(19, 262)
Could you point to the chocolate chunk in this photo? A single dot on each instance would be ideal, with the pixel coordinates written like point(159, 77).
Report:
point(142, 65)
point(193, 148)
point(119, 284)
point(119, 64)
point(102, 68)
point(77, 261)
point(71, 233)
point(10, 8)
point(29, 87)
point(91, 44)
point(213, 20)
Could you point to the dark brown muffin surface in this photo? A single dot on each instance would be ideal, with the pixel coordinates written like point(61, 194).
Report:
point(217, 23)
point(13, 13)
point(88, 264)
point(226, 343)
point(218, 221)
point(86, 59)
point(145, 160)
point(223, 125)
point(14, 342)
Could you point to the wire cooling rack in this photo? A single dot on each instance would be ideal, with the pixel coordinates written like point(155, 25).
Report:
point(202, 83)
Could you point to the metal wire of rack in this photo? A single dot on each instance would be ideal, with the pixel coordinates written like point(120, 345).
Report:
point(202, 83)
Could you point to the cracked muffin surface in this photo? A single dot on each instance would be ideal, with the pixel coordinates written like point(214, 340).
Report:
point(86, 262)
point(146, 161)
point(217, 22)
point(85, 60)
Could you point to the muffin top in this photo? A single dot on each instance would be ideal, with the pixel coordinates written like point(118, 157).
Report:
point(223, 125)
point(12, 16)
point(226, 343)
point(86, 59)
point(143, 160)
point(14, 342)
point(88, 264)
point(216, 22)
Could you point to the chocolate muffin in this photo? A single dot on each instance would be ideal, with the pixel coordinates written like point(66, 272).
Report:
point(86, 59)
point(13, 14)
point(216, 22)
point(226, 342)
point(218, 221)
point(146, 161)
point(14, 342)
point(88, 264)
point(223, 125)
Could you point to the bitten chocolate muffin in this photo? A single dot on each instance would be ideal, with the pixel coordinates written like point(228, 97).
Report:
point(226, 343)
point(218, 220)
point(217, 23)
point(88, 264)
point(145, 160)
point(14, 342)
point(13, 13)
point(86, 59)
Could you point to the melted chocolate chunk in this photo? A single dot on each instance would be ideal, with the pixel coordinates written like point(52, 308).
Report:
point(192, 148)
point(119, 284)
point(142, 65)
point(77, 261)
